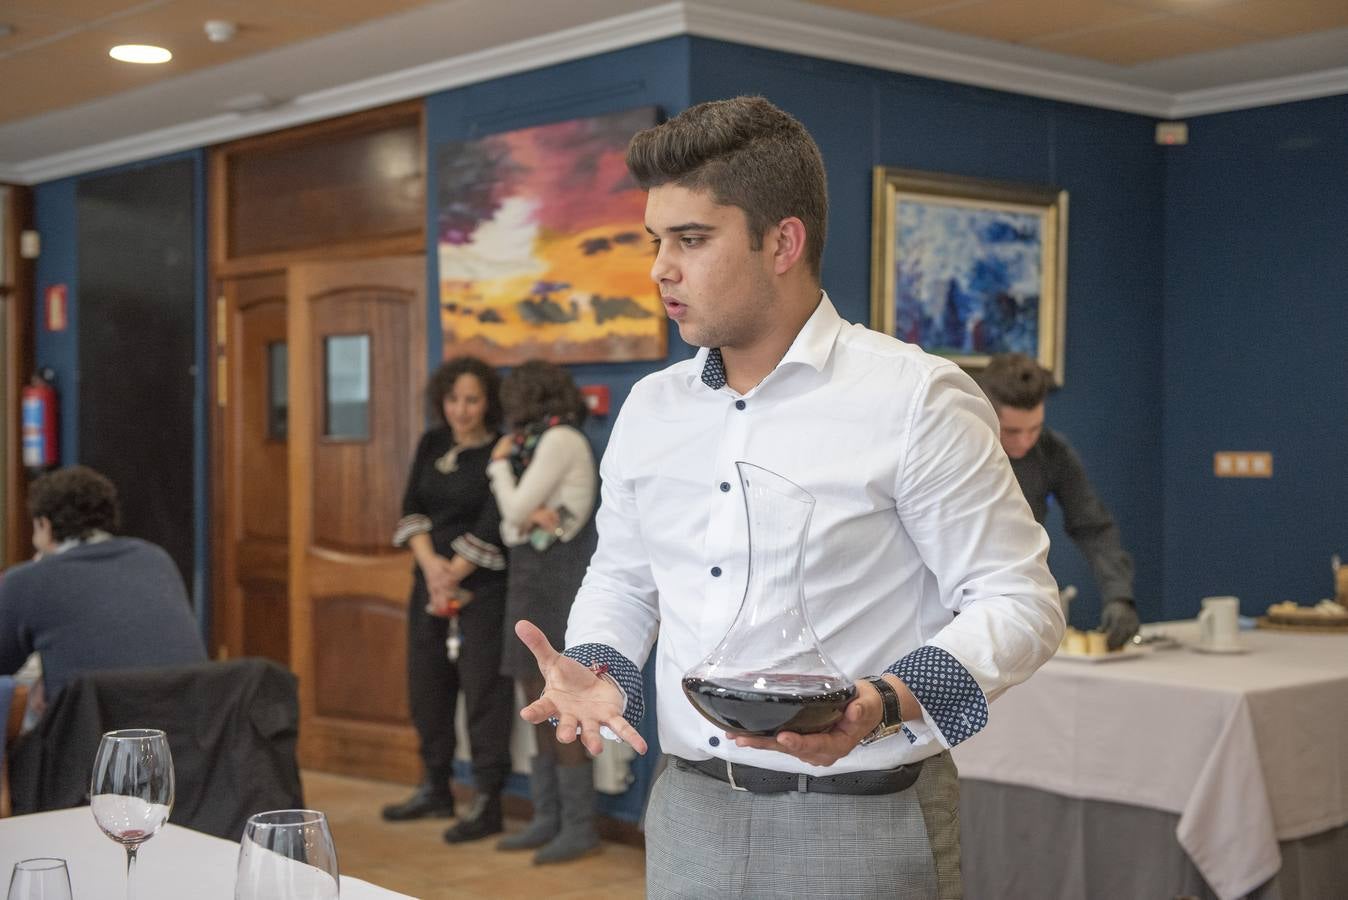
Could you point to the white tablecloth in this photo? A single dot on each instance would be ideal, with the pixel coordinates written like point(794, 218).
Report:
point(176, 863)
point(1248, 749)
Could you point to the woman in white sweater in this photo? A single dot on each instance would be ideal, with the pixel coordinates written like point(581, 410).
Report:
point(545, 482)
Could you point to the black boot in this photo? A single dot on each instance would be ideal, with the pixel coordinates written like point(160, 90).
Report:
point(428, 802)
point(483, 819)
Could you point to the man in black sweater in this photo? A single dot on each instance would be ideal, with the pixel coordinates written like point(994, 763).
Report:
point(91, 601)
point(1046, 465)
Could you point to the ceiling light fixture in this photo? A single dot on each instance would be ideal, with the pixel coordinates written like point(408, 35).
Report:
point(140, 53)
point(220, 31)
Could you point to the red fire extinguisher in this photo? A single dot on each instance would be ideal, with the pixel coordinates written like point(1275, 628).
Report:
point(39, 423)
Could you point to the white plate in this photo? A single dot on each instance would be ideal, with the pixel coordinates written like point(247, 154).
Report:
point(1228, 651)
point(1129, 651)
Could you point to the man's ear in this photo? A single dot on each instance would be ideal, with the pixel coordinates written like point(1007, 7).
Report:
point(789, 235)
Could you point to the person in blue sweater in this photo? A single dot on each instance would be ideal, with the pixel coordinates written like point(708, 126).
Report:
point(91, 600)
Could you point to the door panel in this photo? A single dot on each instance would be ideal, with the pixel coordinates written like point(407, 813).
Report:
point(254, 502)
point(348, 585)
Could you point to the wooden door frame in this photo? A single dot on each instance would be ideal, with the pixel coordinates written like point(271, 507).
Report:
point(226, 624)
point(16, 288)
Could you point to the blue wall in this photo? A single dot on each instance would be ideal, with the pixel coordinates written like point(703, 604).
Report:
point(651, 75)
point(1256, 353)
point(1114, 175)
point(54, 217)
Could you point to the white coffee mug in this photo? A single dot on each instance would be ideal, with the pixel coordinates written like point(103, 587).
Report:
point(1218, 623)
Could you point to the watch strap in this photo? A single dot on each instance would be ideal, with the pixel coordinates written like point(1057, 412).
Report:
point(891, 719)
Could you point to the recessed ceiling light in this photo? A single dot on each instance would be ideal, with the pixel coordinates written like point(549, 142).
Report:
point(140, 53)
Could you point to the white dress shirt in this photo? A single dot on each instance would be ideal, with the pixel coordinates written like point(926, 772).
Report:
point(917, 517)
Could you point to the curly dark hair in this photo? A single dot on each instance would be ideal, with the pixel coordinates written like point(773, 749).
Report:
point(747, 153)
point(537, 389)
point(442, 382)
point(77, 500)
point(1015, 380)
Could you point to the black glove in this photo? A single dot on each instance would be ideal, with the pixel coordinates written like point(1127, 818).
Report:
point(1118, 622)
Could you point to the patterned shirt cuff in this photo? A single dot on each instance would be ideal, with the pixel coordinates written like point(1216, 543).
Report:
point(620, 669)
point(946, 691)
point(408, 526)
point(479, 552)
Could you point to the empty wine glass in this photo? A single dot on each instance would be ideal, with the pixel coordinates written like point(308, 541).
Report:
point(40, 879)
point(287, 854)
point(132, 790)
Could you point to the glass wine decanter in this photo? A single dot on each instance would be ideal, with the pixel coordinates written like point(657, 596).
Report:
point(770, 673)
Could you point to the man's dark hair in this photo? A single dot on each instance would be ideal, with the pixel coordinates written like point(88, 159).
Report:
point(1015, 380)
point(536, 389)
point(746, 153)
point(77, 500)
point(442, 382)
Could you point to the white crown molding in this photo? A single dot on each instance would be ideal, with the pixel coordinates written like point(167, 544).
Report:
point(614, 33)
point(617, 33)
point(896, 55)
point(781, 25)
point(1267, 92)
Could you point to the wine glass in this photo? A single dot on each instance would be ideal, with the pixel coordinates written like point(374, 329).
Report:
point(40, 879)
point(132, 790)
point(287, 854)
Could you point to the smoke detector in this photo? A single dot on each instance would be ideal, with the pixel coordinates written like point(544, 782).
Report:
point(220, 31)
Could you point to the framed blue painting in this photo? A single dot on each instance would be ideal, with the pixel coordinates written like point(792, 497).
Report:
point(968, 268)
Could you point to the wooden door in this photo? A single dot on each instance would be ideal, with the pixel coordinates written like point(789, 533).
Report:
point(357, 371)
point(252, 494)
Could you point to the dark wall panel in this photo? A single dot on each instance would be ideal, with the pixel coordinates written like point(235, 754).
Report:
point(137, 268)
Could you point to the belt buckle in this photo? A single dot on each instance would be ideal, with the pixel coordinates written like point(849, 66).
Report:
point(730, 777)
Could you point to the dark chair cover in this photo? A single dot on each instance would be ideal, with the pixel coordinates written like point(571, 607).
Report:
point(232, 728)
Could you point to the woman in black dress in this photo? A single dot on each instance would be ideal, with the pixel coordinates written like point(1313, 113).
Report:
point(451, 523)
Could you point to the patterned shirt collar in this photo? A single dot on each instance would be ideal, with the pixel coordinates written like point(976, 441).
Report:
point(812, 345)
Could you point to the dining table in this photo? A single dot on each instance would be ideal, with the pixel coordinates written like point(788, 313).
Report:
point(176, 863)
point(1234, 758)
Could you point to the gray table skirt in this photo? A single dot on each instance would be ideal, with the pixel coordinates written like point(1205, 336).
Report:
point(1022, 843)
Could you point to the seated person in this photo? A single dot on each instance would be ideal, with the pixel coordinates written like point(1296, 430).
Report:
point(91, 601)
point(1045, 464)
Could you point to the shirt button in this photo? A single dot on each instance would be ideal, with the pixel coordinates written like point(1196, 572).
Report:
point(739, 404)
point(725, 486)
point(715, 571)
point(714, 741)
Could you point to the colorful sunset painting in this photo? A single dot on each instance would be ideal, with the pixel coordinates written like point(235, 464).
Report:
point(542, 250)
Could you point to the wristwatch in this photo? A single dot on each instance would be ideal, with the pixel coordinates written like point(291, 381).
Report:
point(891, 721)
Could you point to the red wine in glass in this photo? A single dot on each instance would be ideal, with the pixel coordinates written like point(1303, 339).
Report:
point(764, 705)
point(131, 790)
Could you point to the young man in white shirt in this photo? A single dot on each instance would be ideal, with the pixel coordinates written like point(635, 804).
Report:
point(917, 516)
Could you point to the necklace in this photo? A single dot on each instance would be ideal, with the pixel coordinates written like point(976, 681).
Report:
point(450, 461)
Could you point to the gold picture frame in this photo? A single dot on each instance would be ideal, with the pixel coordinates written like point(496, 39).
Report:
point(970, 267)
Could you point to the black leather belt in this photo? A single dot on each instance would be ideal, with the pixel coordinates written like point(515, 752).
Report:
point(767, 781)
